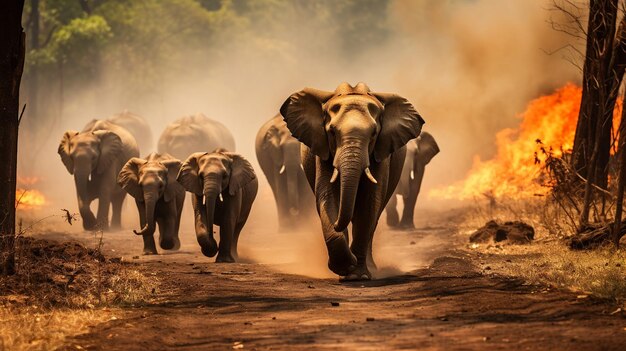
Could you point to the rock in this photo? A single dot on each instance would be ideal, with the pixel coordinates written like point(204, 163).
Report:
point(515, 232)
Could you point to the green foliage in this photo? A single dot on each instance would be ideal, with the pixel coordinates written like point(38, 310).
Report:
point(142, 40)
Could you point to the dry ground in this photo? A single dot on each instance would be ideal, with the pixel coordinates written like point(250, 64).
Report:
point(431, 293)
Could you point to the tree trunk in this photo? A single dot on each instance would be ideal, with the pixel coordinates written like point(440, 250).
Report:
point(617, 225)
point(599, 94)
point(11, 66)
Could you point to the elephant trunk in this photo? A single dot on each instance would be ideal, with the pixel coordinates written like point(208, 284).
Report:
point(212, 190)
point(351, 165)
point(292, 189)
point(150, 204)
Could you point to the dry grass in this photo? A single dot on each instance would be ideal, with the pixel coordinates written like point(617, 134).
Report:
point(548, 261)
point(29, 328)
point(62, 288)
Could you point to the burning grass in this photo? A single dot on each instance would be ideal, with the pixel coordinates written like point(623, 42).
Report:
point(60, 289)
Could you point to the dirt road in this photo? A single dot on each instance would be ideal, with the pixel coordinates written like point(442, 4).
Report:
point(429, 295)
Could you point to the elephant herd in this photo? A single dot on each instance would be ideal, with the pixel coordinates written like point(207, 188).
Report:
point(344, 154)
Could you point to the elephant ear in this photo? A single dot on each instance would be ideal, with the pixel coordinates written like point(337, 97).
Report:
point(304, 116)
point(400, 123)
point(64, 150)
point(272, 133)
point(110, 149)
point(241, 173)
point(427, 148)
point(128, 178)
point(173, 167)
point(188, 174)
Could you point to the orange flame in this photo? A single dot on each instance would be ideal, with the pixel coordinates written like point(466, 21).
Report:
point(513, 172)
point(28, 199)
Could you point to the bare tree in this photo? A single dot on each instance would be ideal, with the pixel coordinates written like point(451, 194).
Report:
point(12, 46)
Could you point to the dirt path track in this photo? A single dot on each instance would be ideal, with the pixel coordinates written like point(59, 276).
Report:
point(448, 305)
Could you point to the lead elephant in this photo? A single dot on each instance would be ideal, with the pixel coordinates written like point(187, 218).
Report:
point(419, 152)
point(95, 156)
point(223, 186)
point(278, 154)
point(136, 125)
point(159, 198)
point(196, 133)
point(353, 159)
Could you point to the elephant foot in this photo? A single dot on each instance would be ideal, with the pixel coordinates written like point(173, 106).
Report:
point(358, 273)
point(148, 252)
point(224, 259)
point(89, 223)
point(116, 227)
point(170, 244)
point(408, 226)
point(340, 259)
point(176, 246)
point(209, 247)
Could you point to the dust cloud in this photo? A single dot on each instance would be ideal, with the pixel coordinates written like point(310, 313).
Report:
point(468, 66)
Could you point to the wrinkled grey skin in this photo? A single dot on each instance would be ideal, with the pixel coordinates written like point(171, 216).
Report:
point(159, 198)
point(197, 133)
point(136, 125)
point(353, 160)
point(223, 186)
point(278, 154)
point(94, 157)
point(419, 152)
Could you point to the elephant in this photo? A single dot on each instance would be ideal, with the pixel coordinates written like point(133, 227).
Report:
point(159, 198)
point(353, 155)
point(223, 186)
point(419, 153)
point(136, 125)
point(278, 154)
point(94, 157)
point(196, 133)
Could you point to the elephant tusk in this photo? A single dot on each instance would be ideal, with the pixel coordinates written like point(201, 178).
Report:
point(412, 175)
point(334, 176)
point(370, 176)
point(221, 198)
point(282, 170)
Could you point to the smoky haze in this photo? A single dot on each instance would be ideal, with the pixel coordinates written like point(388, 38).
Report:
point(469, 67)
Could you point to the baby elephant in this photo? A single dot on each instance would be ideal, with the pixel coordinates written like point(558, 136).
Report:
point(223, 186)
point(159, 198)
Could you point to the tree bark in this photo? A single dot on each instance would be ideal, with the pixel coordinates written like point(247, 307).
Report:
point(617, 225)
point(12, 47)
point(600, 84)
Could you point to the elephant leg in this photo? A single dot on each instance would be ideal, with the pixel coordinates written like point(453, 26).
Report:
point(166, 229)
point(104, 204)
point(117, 201)
point(234, 244)
point(362, 233)
point(371, 264)
point(410, 198)
point(393, 219)
point(284, 220)
point(149, 246)
point(224, 253)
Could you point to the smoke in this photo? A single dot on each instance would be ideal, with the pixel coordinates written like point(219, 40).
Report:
point(468, 66)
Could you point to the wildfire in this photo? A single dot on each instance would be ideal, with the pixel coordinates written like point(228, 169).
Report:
point(513, 171)
point(27, 198)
